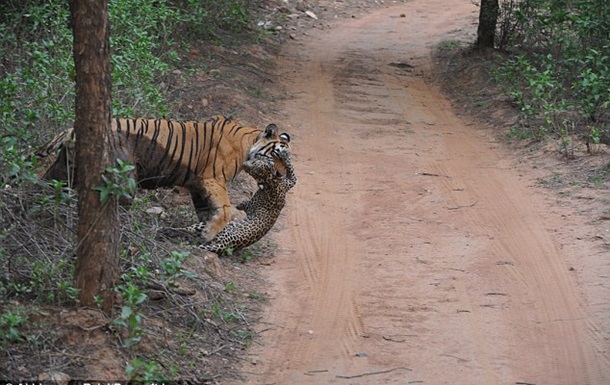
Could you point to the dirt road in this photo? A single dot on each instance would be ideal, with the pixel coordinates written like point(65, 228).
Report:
point(412, 251)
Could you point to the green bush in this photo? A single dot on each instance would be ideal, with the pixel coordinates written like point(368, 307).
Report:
point(559, 72)
point(9, 326)
point(592, 83)
point(37, 70)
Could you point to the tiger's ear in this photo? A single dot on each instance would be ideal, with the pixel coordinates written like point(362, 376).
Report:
point(270, 131)
point(285, 137)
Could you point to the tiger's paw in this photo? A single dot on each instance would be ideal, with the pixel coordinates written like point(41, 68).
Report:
point(205, 232)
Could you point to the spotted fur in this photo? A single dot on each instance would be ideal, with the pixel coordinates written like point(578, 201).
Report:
point(263, 209)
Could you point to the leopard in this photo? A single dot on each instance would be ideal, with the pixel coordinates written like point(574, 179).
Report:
point(275, 176)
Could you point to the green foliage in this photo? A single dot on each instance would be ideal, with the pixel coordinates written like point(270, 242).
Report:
point(36, 82)
point(67, 292)
point(142, 51)
point(228, 315)
point(118, 182)
point(15, 164)
point(600, 176)
point(561, 76)
point(595, 136)
point(17, 122)
point(450, 44)
point(61, 194)
point(519, 133)
point(173, 268)
point(230, 286)
point(49, 282)
point(229, 15)
point(37, 70)
point(148, 39)
point(246, 256)
point(258, 296)
point(131, 316)
point(592, 83)
point(245, 336)
point(10, 322)
point(140, 275)
point(208, 17)
point(145, 371)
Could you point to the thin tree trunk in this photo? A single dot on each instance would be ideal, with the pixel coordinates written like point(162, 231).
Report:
point(488, 18)
point(97, 263)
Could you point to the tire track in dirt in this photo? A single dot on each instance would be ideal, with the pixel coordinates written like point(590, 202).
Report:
point(411, 251)
point(521, 242)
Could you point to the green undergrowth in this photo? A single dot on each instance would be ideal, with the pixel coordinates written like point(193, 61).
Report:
point(557, 67)
point(164, 286)
point(172, 313)
point(148, 41)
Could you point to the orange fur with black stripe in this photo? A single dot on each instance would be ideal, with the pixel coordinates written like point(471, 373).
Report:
point(201, 156)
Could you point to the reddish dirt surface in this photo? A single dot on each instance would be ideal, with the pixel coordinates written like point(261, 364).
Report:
point(415, 249)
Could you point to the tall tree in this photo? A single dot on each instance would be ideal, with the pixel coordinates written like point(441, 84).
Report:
point(488, 18)
point(97, 261)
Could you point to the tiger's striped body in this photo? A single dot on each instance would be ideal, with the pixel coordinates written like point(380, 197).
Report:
point(199, 156)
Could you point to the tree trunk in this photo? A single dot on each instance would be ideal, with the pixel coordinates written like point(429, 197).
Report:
point(97, 261)
point(488, 18)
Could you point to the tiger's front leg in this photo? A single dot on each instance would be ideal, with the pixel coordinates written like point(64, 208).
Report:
point(203, 207)
point(214, 210)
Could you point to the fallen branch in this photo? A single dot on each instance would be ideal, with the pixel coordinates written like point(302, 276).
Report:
point(456, 357)
point(432, 174)
point(461, 207)
point(372, 373)
point(398, 337)
point(314, 372)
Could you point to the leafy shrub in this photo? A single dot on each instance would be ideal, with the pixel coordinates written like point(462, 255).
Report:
point(559, 74)
point(9, 326)
point(592, 84)
point(37, 70)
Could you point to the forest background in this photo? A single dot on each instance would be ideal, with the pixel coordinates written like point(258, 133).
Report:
point(550, 58)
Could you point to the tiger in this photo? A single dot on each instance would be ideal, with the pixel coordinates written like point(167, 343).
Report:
point(201, 156)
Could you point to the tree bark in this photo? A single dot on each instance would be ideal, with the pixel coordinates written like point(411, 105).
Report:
point(97, 257)
point(488, 18)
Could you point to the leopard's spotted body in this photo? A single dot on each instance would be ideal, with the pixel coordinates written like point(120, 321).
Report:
point(263, 209)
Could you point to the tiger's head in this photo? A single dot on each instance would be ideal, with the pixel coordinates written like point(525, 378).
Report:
point(268, 144)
